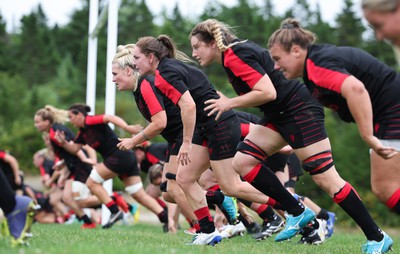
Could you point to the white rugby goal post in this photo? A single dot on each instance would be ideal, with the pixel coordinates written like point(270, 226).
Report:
point(96, 22)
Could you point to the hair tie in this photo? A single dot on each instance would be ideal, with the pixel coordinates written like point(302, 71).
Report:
point(288, 26)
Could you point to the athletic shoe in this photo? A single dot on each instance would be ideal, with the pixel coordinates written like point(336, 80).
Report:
point(374, 247)
point(330, 224)
point(206, 239)
point(20, 220)
point(228, 231)
point(113, 218)
point(269, 228)
point(322, 229)
point(71, 219)
point(294, 224)
point(120, 201)
point(253, 228)
point(134, 210)
point(88, 225)
point(230, 206)
point(310, 236)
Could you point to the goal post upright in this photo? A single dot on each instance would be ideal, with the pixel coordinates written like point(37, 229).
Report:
point(109, 13)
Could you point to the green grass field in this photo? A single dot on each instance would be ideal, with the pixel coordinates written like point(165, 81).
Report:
point(149, 238)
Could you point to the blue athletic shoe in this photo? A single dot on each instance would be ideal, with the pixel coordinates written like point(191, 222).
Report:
point(374, 247)
point(330, 224)
point(230, 206)
point(20, 220)
point(294, 224)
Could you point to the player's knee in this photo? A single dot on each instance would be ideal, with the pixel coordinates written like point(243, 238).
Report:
point(318, 163)
point(96, 177)
point(134, 188)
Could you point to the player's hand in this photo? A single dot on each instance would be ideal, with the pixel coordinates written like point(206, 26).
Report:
point(217, 106)
point(125, 144)
point(183, 155)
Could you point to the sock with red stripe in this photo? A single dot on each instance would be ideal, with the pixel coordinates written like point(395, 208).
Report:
point(112, 206)
point(206, 222)
point(348, 199)
point(264, 180)
point(394, 202)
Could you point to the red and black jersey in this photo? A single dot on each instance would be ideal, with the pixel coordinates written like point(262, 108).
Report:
point(327, 66)
point(46, 167)
point(155, 153)
point(150, 101)
point(59, 151)
point(98, 135)
point(79, 170)
point(173, 78)
point(246, 63)
point(4, 166)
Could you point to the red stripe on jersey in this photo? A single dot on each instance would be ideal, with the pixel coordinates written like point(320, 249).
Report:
point(329, 79)
point(245, 128)
point(169, 90)
point(2, 154)
point(52, 135)
point(93, 120)
point(214, 188)
point(151, 158)
point(150, 98)
point(241, 69)
point(42, 170)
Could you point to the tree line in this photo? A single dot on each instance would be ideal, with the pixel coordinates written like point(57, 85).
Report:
point(42, 64)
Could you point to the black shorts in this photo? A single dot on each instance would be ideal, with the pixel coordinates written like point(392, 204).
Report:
point(122, 163)
point(79, 171)
point(295, 169)
point(302, 122)
point(223, 139)
point(277, 162)
point(389, 128)
point(175, 144)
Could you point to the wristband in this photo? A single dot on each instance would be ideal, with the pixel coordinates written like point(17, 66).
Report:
point(144, 135)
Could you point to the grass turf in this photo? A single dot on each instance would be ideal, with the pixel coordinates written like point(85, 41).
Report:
point(148, 238)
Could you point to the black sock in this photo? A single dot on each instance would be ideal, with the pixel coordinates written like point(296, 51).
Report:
point(350, 202)
point(215, 197)
point(206, 226)
point(267, 182)
point(86, 219)
point(323, 214)
point(163, 216)
point(268, 214)
point(396, 208)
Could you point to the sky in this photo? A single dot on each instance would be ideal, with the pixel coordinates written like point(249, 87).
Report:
point(59, 11)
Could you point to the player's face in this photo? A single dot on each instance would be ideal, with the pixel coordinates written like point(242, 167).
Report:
point(76, 119)
point(40, 124)
point(385, 24)
point(123, 78)
point(289, 63)
point(203, 52)
point(142, 62)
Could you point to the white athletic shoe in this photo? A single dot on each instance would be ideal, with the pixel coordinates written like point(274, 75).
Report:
point(228, 231)
point(206, 239)
point(322, 229)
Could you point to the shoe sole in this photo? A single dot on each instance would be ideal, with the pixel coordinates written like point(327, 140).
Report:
point(23, 239)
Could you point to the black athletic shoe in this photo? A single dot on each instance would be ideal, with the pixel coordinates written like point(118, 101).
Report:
point(310, 236)
point(114, 218)
point(269, 228)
